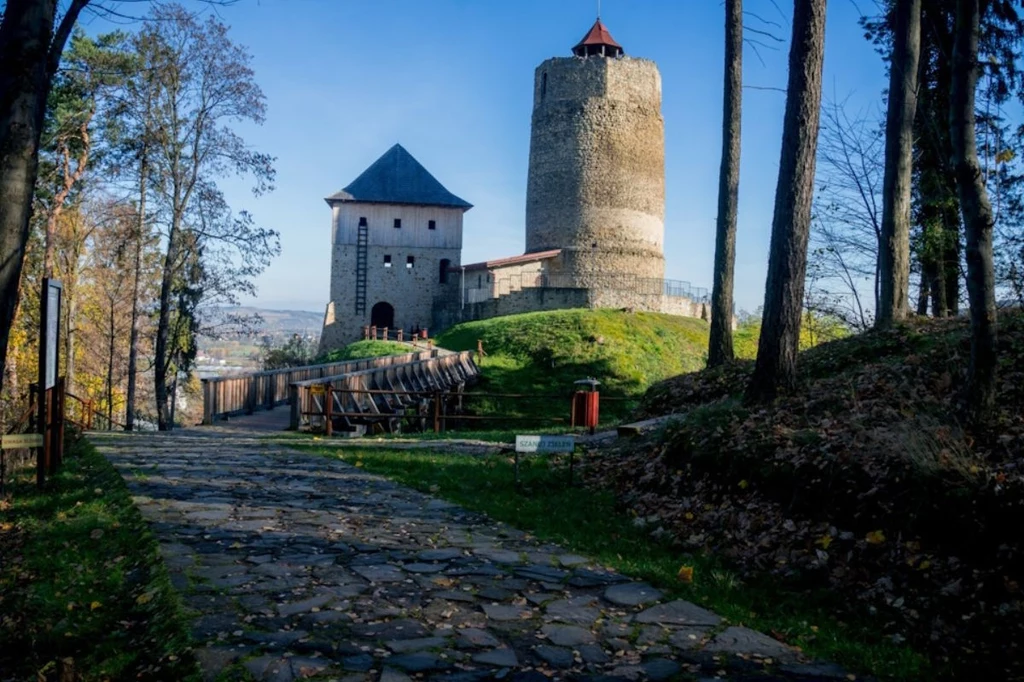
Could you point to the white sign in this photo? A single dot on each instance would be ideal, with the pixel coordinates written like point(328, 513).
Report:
point(52, 333)
point(545, 443)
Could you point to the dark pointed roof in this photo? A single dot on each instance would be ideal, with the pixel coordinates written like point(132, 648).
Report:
point(398, 178)
point(598, 41)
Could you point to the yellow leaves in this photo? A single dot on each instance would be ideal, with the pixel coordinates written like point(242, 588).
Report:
point(824, 541)
point(875, 537)
point(685, 574)
point(743, 484)
point(145, 598)
point(924, 565)
point(95, 605)
point(688, 516)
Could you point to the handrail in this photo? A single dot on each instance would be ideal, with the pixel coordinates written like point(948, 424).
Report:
point(247, 393)
point(90, 412)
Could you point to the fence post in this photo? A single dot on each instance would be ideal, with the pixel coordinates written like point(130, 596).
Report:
point(88, 415)
point(437, 412)
point(328, 405)
point(296, 408)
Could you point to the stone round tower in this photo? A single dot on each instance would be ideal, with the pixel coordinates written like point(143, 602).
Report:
point(596, 185)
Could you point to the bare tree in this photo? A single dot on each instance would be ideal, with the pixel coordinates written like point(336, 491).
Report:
point(720, 348)
point(846, 230)
point(778, 345)
point(894, 256)
point(977, 211)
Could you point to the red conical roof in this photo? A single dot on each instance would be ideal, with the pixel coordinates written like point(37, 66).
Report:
point(598, 41)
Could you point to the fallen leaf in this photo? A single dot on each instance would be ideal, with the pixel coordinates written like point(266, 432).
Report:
point(875, 537)
point(685, 574)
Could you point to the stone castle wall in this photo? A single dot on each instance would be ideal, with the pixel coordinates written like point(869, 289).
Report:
point(596, 185)
point(410, 291)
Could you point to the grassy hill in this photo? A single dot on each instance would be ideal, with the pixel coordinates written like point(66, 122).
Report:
point(865, 483)
point(363, 349)
point(545, 352)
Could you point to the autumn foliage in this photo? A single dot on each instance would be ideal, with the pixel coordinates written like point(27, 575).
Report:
point(861, 482)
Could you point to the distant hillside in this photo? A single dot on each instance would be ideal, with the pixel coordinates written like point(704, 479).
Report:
point(278, 321)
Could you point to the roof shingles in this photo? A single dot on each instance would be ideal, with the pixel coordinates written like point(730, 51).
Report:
point(398, 178)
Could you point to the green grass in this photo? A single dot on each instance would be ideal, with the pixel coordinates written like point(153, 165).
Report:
point(545, 352)
point(81, 579)
point(363, 349)
point(588, 521)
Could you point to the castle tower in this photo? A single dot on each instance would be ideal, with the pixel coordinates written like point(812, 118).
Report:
point(396, 232)
point(596, 185)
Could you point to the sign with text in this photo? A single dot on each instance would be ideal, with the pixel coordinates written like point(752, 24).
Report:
point(50, 332)
point(543, 444)
point(317, 389)
point(18, 441)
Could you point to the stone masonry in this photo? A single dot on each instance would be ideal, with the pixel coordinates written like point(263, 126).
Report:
point(596, 185)
point(296, 566)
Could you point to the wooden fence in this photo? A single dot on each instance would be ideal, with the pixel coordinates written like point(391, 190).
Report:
point(247, 393)
point(379, 393)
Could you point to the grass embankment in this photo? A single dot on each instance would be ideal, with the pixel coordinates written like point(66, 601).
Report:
point(590, 522)
point(863, 481)
point(84, 593)
point(364, 349)
point(544, 353)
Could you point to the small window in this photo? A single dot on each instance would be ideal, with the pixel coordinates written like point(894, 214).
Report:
point(398, 223)
point(409, 262)
point(362, 222)
point(431, 224)
point(543, 85)
point(479, 281)
point(387, 260)
point(442, 275)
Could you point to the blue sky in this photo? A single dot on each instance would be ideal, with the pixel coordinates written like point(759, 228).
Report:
point(451, 80)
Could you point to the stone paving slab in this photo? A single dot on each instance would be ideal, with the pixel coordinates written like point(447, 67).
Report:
point(296, 566)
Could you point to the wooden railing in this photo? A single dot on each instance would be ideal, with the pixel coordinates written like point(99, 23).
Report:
point(378, 393)
point(87, 416)
point(247, 393)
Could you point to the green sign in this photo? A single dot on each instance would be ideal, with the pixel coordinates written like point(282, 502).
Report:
point(19, 441)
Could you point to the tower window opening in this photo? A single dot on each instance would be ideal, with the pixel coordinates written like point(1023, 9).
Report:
point(479, 281)
point(410, 261)
point(387, 260)
point(442, 275)
point(431, 224)
point(362, 222)
point(543, 85)
point(398, 223)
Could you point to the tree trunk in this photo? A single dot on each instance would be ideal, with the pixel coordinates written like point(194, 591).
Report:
point(977, 213)
point(69, 334)
point(778, 346)
point(720, 348)
point(894, 255)
point(951, 254)
point(24, 47)
point(163, 361)
point(110, 371)
point(29, 52)
point(133, 339)
point(923, 289)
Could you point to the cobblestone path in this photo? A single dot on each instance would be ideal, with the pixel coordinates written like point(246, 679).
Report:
point(298, 566)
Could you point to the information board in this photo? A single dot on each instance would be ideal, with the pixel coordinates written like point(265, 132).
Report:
point(545, 443)
point(52, 330)
point(18, 441)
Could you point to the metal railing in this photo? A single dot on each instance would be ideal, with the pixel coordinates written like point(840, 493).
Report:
point(247, 393)
point(645, 286)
